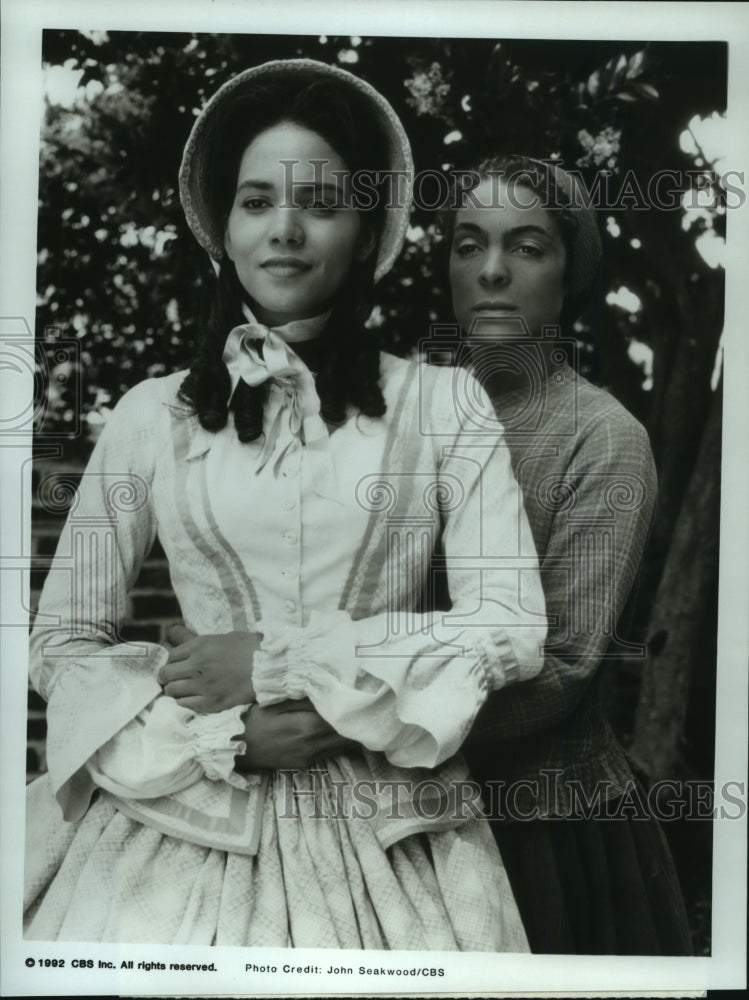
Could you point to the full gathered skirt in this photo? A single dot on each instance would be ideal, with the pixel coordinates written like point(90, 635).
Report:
point(313, 883)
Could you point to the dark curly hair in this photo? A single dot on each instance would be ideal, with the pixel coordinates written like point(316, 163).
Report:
point(349, 356)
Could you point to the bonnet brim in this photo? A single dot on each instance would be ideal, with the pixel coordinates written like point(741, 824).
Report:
point(195, 172)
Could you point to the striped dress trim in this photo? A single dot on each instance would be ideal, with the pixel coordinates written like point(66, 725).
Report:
point(401, 452)
point(235, 583)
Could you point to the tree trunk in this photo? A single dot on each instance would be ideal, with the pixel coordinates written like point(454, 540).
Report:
point(683, 607)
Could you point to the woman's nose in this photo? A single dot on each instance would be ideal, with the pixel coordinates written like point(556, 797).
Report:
point(495, 269)
point(286, 226)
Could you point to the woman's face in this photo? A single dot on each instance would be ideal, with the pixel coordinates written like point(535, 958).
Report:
point(506, 261)
point(291, 231)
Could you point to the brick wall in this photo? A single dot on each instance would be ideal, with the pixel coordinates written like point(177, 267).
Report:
point(151, 604)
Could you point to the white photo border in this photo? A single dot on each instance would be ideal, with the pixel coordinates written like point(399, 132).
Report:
point(490, 975)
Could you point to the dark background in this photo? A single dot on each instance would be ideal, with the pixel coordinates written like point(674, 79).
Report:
point(122, 287)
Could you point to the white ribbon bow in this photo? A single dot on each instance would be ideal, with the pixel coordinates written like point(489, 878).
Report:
point(255, 354)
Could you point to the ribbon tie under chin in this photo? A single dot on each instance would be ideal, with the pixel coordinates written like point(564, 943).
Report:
point(256, 354)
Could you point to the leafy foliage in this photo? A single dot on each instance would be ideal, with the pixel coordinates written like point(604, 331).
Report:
point(119, 270)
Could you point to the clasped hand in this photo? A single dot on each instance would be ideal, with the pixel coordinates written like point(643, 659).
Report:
point(290, 734)
point(209, 673)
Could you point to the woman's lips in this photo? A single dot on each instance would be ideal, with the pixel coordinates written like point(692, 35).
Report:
point(284, 267)
point(485, 305)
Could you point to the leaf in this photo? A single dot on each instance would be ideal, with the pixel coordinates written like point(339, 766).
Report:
point(646, 90)
point(621, 66)
point(612, 73)
point(607, 74)
point(623, 95)
point(636, 64)
point(594, 83)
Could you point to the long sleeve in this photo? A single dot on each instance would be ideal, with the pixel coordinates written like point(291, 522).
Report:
point(166, 748)
point(108, 722)
point(595, 514)
point(410, 684)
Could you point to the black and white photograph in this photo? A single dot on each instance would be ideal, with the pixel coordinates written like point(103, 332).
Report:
point(374, 550)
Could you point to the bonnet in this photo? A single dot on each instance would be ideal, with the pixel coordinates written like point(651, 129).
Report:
point(194, 174)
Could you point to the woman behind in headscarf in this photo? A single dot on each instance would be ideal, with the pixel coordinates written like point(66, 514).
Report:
point(523, 254)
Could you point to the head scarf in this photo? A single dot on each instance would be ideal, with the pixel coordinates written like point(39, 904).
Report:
point(586, 247)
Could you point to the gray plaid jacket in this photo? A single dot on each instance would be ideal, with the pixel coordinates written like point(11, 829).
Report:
point(588, 479)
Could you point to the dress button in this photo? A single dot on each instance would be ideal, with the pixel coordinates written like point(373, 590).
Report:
point(290, 538)
point(290, 607)
point(288, 504)
point(290, 472)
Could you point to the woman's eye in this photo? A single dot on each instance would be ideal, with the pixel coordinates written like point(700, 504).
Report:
point(466, 249)
point(320, 206)
point(254, 204)
point(529, 250)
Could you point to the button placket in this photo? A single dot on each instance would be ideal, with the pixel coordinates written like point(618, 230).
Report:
point(290, 549)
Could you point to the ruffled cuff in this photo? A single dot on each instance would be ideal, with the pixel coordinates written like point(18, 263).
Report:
point(500, 661)
point(495, 659)
point(290, 657)
point(213, 744)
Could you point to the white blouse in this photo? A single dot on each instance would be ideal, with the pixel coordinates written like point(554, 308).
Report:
point(294, 522)
point(308, 513)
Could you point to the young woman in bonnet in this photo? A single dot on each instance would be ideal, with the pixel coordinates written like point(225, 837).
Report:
point(523, 255)
point(299, 482)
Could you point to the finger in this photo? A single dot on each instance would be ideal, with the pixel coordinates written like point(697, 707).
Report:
point(181, 670)
point(181, 689)
point(295, 705)
point(179, 633)
point(179, 653)
point(314, 726)
point(333, 743)
point(195, 703)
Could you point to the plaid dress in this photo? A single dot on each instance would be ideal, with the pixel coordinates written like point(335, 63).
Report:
point(586, 470)
point(584, 883)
